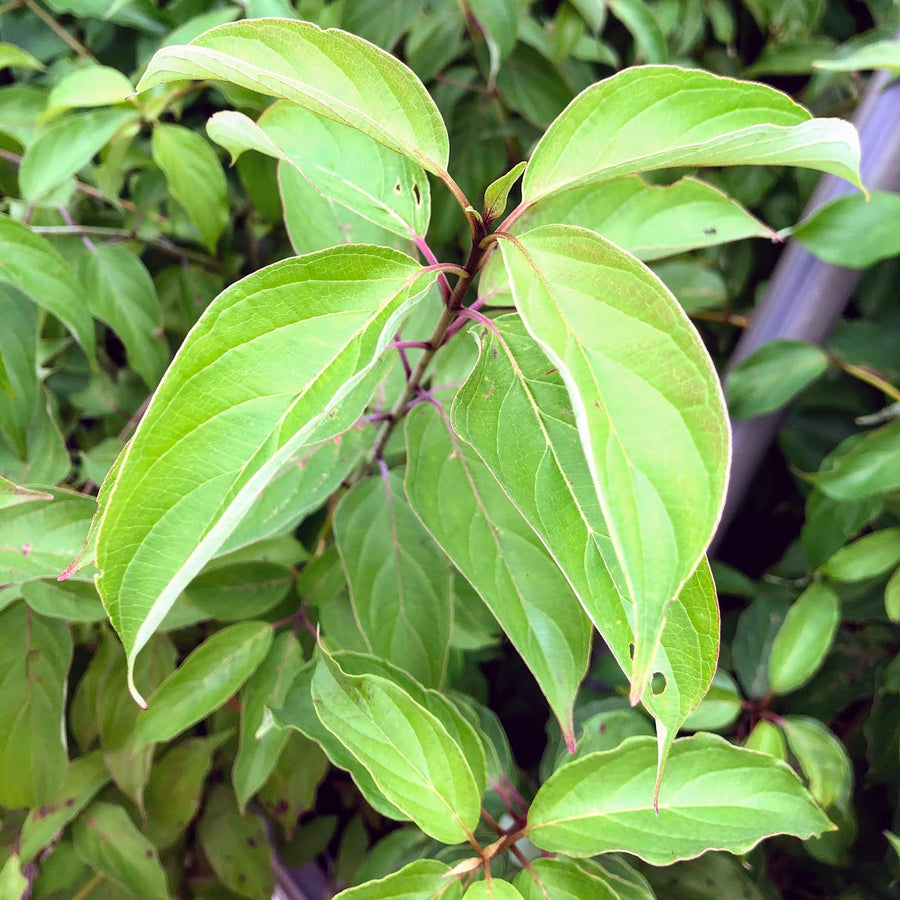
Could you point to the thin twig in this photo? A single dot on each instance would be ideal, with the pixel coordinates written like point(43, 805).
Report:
point(59, 31)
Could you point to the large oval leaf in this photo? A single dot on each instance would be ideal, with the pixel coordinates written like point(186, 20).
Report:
point(514, 410)
point(425, 879)
point(714, 796)
point(647, 405)
point(410, 755)
point(342, 164)
point(485, 536)
point(332, 73)
point(237, 402)
point(649, 220)
point(655, 117)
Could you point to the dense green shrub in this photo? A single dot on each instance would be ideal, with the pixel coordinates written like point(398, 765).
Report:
point(303, 546)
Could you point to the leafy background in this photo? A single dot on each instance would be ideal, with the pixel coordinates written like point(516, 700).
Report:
point(136, 221)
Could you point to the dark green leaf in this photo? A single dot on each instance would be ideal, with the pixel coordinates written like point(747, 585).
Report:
point(108, 841)
point(823, 759)
point(868, 557)
point(862, 466)
point(212, 674)
point(34, 662)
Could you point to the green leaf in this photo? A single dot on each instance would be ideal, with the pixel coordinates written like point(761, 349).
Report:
point(650, 45)
point(298, 712)
point(12, 494)
point(868, 557)
point(331, 73)
point(108, 841)
point(712, 877)
point(175, 788)
point(342, 164)
point(195, 178)
point(425, 879)
point(467, 513)
point(267, 687)
point(74, 601)
point(861, 467)
point(569, 879)
point(400, 581)
point(383, 22)
point(407, 750)
point(877, 55)
point(13, 57)
point(721, 706)
point(649, 220)
point(695, 285)
point(117, 714)
point(767, 738)
point(714, 796)
point(32, 265)
point(34, 662)
point(632, 367)
point(804, 639)
point(66, 146)
point(854, 231)
point(513, 409)
point(495, 889)
point(212, 674)
point(304, 484)
point(90, 86)
point(696, 119)
point(85, 776)
point(236, 846)
point(496, 194)
point(13, 884)
point(772, 376)
point(823, 759)
point(498, 21)
point(892, 597)
point(240, 384)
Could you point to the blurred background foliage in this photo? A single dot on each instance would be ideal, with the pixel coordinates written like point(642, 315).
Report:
point(127, 202)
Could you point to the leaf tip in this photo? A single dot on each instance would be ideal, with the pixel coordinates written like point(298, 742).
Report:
point(132, 688)
point(571, 742)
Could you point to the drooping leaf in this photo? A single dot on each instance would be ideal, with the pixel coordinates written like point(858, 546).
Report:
point(239, 385)
point(213, 673)
point(569, 879)
point(772, 376)
point(714, 796)
point(864, 467)
point(618, 338)
point(877, 55)
point(88, 86)
point(498, 21)
point(108, 841)
point(425, 879)
point(13, 57)
point(407, 750)
point(873, 220)
point(66, 146)
point(486, 538)
point(515, 411)
point(868, 557)
point(121, 292)
point(655, 117)
point(342, 164)
point(331, 73)
point(195, 178)
point(400, 581)
point(32, 265)
point(822, 757)
point(805, 637)
point(34, 663)
point(85, 776)
point(175, 788)
point(267, 687)
point(649, 220)
point(298, 712)
point(236, 846)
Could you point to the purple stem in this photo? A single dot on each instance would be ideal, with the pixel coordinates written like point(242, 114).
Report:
point(400, 347)
point(431, 259)
point(70, 221)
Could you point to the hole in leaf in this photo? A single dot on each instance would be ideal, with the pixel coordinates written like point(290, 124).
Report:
point(657, 684)
point(417, 194)
point(631, 652)
point(398, 187)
